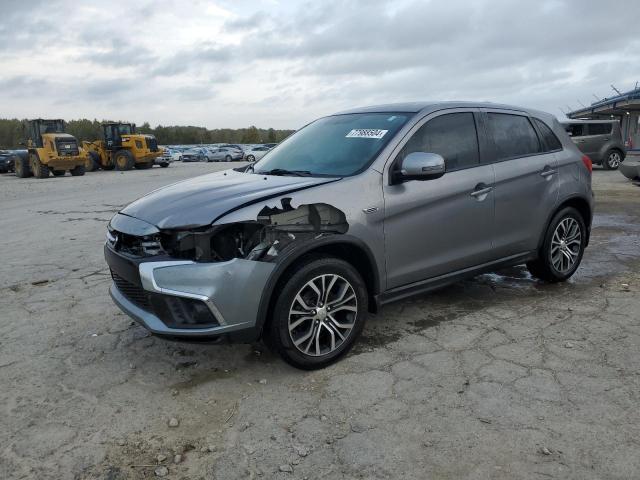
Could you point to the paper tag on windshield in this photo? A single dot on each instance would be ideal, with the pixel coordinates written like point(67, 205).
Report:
point(366, 133)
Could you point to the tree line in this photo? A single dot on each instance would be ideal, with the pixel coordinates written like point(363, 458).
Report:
point(11, 133)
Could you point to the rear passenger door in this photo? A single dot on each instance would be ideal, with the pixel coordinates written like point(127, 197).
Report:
point(434, 227)
point(526, 185)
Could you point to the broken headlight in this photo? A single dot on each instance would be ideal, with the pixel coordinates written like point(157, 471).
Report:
point(264, 239)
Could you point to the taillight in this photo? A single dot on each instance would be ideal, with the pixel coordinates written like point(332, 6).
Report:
point(587, 163)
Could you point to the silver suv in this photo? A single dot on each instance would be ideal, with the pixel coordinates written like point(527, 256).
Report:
point(353, 211)
point(600, 140)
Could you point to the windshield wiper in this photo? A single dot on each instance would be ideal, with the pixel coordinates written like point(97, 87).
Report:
point(285, 172)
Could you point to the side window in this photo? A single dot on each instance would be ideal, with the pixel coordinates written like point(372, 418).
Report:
point(575, 129)
point(551, 142)
point(513, 135)
point(599, 128)
point(452, 135)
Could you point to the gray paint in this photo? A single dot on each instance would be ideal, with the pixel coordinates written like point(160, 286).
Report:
point(199, 201)
point(232, 288)
point(416, 231)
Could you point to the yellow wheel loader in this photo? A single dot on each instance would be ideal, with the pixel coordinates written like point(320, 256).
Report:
point(50, 150)
point(121, 148)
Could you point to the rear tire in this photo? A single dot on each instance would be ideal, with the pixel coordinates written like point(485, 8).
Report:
point(77, 171)
point(38, 168)
point(562, 248)
point(22, 168)
point(227, 158)
point(330, 334)
point(612, 160)
point(124, 160)
point(251, 158)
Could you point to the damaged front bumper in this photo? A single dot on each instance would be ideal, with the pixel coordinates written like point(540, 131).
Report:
point(186, 299)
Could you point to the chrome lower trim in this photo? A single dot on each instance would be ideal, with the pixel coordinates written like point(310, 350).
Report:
point(148, 281)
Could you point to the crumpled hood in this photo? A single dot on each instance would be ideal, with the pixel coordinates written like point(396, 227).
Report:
point(200, 201)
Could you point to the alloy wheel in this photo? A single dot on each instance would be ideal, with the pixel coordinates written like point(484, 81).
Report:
point(322, 315)
point(566, 244)
point(614, 160)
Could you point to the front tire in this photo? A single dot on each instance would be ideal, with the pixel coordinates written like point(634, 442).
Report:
point(39, 169)
point(77, 171)
point(612, 160)
point(562, 249)
point(124, 160)
point(93, 162)
point(227, 158)
point(320, 312)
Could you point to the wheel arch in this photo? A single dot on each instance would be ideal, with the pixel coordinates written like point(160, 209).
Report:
point(350, 249)
point(581, 205)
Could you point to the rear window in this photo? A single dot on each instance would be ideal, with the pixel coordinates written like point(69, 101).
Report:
point(575, 129)
point(513, 135)
point(549, 139)
point(599, 128)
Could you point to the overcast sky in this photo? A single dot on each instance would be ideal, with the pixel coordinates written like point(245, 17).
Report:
point(281, 63)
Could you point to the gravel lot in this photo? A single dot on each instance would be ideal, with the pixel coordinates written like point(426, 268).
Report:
point(498, 377)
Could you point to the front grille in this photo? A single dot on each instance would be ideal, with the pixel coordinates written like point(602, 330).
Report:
point(67, 147)
point(132, 292)
point(134, 246)
point(152, 144)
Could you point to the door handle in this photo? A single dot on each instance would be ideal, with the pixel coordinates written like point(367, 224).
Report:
point(547, 172)
point(480, 190)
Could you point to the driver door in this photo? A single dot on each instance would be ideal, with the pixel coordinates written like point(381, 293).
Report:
point(439, 226)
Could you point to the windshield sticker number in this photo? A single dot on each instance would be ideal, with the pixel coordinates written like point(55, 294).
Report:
point(366, 133)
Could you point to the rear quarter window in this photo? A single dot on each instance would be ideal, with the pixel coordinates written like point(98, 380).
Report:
point(599, 128)
point(549, 140)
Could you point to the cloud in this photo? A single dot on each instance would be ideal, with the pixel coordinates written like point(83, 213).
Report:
point(283, 63)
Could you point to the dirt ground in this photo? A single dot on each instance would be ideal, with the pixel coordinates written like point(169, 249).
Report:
point(497, 377)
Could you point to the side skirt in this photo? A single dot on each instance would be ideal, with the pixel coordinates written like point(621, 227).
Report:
point(424, 286)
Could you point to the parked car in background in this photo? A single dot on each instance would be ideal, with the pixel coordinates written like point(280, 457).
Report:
point(255, 153)
point(600, 140)
point(270, 145)
point(231, 145)
point(354, 211)
point(225, 155)
point(173, 153)
point(193, 155)
point(165, 159)
point(7, 161)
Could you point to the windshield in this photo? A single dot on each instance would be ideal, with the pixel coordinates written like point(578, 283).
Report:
point(339, 145)
point(51, 126)
point(125, 129)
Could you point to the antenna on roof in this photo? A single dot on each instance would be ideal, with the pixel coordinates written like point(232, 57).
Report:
point(615, 90)
point(583, 105)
